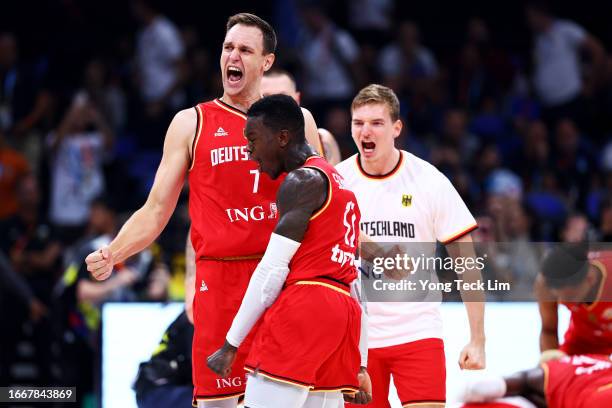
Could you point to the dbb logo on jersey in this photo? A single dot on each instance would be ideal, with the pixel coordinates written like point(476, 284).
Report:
point(256, 213)
point(338, 255)
point(407, 200)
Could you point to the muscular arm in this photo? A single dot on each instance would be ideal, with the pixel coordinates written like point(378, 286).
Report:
point(147, 223)
point(548, 315)
point(311, 131)
point(474, 305)
point(302, 193)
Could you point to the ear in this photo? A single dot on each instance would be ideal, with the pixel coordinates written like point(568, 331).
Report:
point(397, 128)
point(283, 138)
point(269, 61)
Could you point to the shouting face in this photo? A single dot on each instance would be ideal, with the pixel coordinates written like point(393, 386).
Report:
point(243, 60)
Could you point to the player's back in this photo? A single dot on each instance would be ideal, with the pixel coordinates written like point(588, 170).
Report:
point(329, 245)
point(578, 381)
point(591, 324)
point(231, 204)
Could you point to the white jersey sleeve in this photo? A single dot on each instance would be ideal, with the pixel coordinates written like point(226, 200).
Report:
point(451, 217)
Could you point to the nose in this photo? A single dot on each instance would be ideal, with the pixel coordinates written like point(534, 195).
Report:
point(365, 130)
point(234, 54)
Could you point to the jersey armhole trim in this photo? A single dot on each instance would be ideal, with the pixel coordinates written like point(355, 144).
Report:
point(324, 206)
point(459, 234)
point(196, 138)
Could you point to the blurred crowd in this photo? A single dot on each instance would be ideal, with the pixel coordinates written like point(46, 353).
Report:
point(523, 135)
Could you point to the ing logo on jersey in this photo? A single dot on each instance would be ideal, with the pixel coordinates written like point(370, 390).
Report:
point(406, 200)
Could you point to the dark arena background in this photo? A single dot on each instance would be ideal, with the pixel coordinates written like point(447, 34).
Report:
point(86, 98)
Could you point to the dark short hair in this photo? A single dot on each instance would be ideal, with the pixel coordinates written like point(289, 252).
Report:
point(251, 20)
point(280, 112)
point(566, 265)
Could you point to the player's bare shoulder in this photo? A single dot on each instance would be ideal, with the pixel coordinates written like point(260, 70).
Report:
point(304, 187)
point(182, 129)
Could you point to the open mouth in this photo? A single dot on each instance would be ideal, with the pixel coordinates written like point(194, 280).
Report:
point(368, 147)
point(234, 74)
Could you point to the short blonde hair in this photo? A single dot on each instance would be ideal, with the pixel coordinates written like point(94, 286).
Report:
point(374, 94)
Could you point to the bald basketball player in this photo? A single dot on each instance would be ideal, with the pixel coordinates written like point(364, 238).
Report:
point(277, 81)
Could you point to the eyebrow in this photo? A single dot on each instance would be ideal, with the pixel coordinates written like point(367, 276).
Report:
point(248, 47)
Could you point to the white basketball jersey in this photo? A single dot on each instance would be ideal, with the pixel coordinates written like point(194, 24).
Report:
point(415, 202)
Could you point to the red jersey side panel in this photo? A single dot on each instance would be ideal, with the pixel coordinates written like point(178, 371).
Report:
point(329, 245)
point(574, 381)
point(590, 329)
point(231, 204)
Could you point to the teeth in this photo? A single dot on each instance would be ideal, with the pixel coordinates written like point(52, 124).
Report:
point(234, 69)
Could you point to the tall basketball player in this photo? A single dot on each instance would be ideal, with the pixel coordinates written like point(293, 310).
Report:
point(232, 205)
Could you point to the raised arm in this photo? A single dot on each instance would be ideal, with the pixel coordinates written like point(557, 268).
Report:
point(147, 223)
point(301, 194)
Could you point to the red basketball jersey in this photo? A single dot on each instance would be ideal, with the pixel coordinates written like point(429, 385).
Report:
point(574, 381)
point(591, 324)
point(329, 245)
point(232, 205)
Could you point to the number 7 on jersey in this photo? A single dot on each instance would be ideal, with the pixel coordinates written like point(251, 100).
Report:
point(256, 180)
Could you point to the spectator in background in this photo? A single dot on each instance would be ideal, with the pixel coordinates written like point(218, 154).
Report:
point(30, 242)
point(328, 58)
point(34, 254)
point(471, 81)
point(573, 161)
point(24, 101)
point(576, 229)
point(496, 60)
point(557, 73)
point(13, 168)
point(370, 20)
point(104, 92)
point(160, 70)
point(79, 297)
point(159, 53)
point(406, 65)
point(78, 148)
point(457, 146)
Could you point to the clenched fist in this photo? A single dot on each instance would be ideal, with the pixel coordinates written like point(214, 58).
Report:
point(100, 263)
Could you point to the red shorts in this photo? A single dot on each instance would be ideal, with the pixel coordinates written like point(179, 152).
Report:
point(310, 337)
point(220, 287)
point(418, 369)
